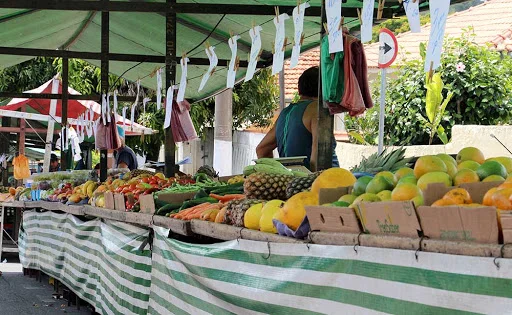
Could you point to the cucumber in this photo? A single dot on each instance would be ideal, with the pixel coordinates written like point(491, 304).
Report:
point(168, 208)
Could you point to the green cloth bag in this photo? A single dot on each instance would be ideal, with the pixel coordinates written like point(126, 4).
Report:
point(332, 74)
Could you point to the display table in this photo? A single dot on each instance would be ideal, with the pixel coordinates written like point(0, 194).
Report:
point(102, 261)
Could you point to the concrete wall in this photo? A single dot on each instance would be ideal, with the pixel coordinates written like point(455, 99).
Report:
point(244, 147)
point(462, 136)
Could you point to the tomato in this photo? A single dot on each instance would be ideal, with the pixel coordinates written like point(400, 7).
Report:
point(145, 180)
point(153, 182)
point(126, 190)
point(119, 189)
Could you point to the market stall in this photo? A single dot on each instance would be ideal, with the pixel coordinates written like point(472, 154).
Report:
point(378, 242)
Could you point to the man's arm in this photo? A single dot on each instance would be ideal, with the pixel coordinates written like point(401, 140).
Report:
point(314, 146)
point(311, 122)
point(124, 160)
point(266, 147)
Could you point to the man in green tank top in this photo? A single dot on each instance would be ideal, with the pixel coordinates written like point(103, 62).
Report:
point(295, 132)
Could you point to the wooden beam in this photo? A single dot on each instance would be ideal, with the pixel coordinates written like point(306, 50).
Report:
point(112, 57)
point(158, 7)
point(325, 136)
point(105, 47)
point(51, 125)
point(21, 144)
point(170, 79)
point(65, 96)
point(28, 130)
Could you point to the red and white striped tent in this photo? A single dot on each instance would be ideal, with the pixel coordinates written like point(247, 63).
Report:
point(39, 109)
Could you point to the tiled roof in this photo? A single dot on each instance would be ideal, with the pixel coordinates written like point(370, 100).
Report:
point(503, 42)
point(307, 60)
point(487, 19)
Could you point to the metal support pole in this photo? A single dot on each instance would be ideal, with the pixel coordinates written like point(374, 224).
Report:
point(64, 163)
point(170, 79)
point(105, 43)
point(282, 100)
point(382, 109)
point(325, 119)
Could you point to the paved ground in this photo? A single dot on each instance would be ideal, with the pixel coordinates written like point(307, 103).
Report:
point(22, 295)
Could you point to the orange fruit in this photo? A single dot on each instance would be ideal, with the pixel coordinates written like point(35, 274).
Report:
point(501, 199)
point(442, 203)
point(434, 177)
point(505, 186)
point(465, 176)
point(493, 178)
point(504, 160)
point(404, 171)
point(491, 168)
point(405, 191)
point(470, 154)
point(472, 165)
point(487, 201)
point(427, 164)
point(447, 159)
point(458, 196)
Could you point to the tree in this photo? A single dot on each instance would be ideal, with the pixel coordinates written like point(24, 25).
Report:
point(254, 102)
point(479, 78)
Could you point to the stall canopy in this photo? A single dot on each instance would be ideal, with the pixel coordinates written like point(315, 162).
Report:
point(144, 33)
point(39, 109)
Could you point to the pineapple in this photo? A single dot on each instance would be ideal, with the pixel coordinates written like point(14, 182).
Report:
point(208, 170)
point(385, 161)
point(236, 211)
point(138, 172)
point(266, 186)
point(300, 184)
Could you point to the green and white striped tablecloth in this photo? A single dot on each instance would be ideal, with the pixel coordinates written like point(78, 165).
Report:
point(98, 260)
point(246, 277)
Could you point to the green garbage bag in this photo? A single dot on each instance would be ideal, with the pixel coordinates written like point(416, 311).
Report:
point(332, 74)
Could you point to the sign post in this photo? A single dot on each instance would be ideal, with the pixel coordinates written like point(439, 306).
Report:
point(388, 50)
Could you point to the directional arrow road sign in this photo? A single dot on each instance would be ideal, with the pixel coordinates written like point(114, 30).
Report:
point(388, 48)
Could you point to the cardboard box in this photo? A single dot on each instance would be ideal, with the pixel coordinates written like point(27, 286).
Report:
point(333, 219)
point(506, 226)
point(396, 218)
point(330, 195)
point(460, 223)
point(176, 198)
point(477, 191)
point(109, 200)
point(119, 203)
point(147, 204)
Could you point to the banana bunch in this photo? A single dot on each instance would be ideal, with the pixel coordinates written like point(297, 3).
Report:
point(88, 188)
point(267, 166)
point(117, 182)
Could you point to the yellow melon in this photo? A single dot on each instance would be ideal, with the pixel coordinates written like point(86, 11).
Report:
point(333, 178)
point(293, 211)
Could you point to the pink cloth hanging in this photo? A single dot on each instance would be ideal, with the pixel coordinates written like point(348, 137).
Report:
point(182, 127)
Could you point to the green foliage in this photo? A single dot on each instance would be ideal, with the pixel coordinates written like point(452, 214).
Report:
point(26, 76)
point(482, 95)
point(149, 144)
point(254, 103)
point(435, 108)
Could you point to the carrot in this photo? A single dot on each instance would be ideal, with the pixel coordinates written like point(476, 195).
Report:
point(228, 197)
point(197, 214)
point(182, 214)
